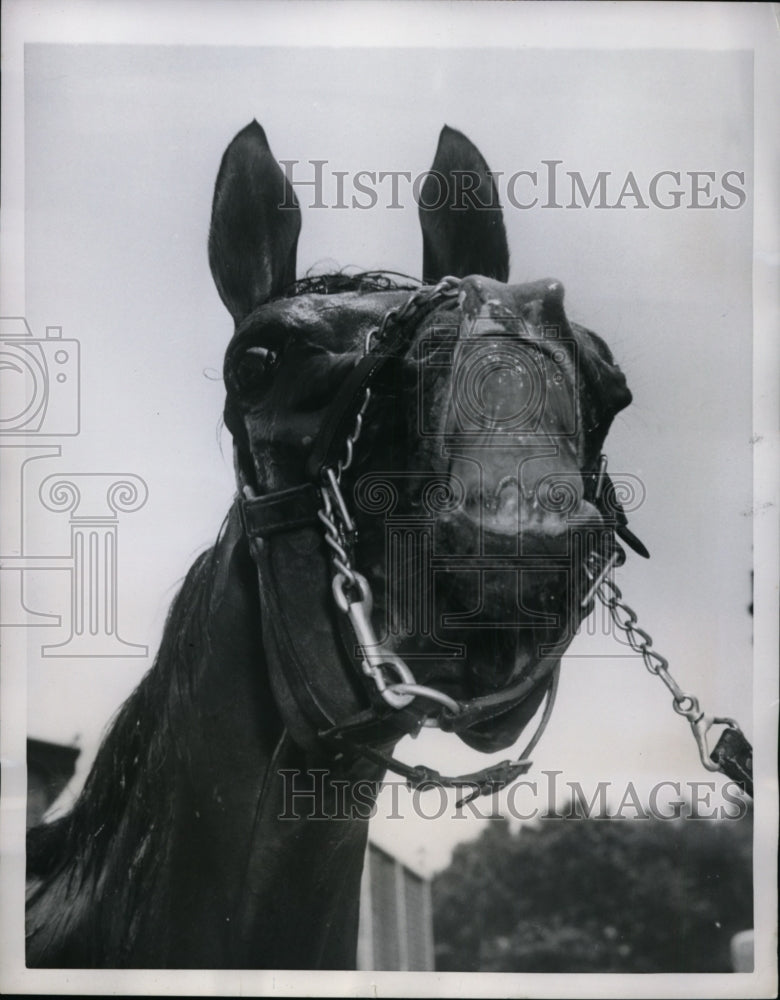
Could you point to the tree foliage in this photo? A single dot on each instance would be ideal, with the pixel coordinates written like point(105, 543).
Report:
point(596, 895)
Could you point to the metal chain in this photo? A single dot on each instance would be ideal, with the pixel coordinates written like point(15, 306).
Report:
point(351, 590)
point(335, 539)
point(446, 288)
point(336, 536)
point(349, 445)
point(625, 618)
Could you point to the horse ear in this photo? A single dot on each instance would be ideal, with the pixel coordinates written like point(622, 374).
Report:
point(255, 222)
point(460, 215)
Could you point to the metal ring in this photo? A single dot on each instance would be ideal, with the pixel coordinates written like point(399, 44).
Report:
point(393, 697)
point(693, 705)
point(421, 691)
point(384, 658)
point(339, 590)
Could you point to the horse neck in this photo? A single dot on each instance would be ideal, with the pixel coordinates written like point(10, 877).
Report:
point(229, 845)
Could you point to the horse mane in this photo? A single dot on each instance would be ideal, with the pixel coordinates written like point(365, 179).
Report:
point(335, 282)
point(112, 845)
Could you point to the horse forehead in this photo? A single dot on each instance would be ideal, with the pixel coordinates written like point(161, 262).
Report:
point(345, 312)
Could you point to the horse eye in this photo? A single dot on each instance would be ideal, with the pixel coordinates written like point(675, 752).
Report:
point(255, 366)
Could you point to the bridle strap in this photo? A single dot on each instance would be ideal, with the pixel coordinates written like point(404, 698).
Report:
point(483, 782)
point(600, 491)
point(285, 510)
point(477, 710)
point(490, 779)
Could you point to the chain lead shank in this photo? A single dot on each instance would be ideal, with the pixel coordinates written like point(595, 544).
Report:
point(733, 754)
point(351, 590)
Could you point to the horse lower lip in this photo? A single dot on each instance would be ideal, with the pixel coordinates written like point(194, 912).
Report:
point(503, 730)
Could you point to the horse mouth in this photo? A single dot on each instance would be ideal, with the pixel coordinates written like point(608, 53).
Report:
point(516, 613)
point(500, 734)
point(505, 723)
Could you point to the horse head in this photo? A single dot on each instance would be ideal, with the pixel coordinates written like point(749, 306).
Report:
point(421, 464)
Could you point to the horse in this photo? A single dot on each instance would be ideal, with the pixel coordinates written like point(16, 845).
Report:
point(422, 511)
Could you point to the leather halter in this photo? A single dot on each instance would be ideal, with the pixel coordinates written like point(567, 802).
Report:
point(284, 533)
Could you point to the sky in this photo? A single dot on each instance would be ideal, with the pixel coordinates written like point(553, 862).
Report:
point(122, 146)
